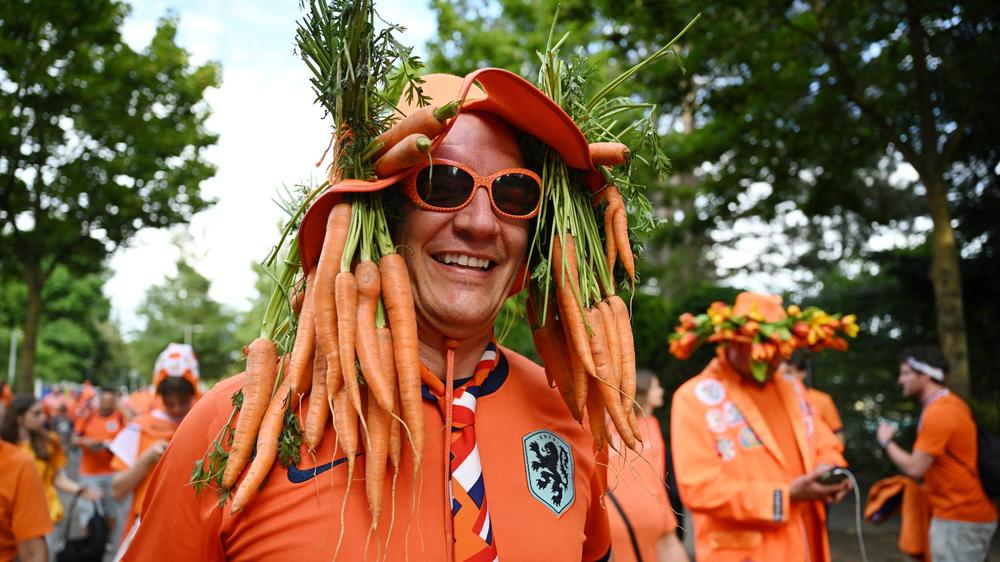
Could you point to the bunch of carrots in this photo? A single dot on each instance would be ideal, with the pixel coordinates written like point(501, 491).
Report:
point(573, 307)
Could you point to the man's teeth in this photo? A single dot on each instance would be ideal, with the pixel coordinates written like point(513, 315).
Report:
point(461, 259)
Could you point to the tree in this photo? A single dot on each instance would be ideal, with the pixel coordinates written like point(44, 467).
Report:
point(77, 340)
point(96, 142)
point(817, 104)
point(181, 310)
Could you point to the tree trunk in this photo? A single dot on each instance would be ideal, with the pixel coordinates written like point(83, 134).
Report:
point(25, 381)
point(947, 282)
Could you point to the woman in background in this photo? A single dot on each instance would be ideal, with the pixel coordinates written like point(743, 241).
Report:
point(643, 525)
point(23, 425)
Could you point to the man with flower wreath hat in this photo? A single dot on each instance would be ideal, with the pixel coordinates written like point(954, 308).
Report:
point(748, 452)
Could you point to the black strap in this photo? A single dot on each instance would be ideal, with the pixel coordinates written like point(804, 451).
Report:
point(628, 525)
point(68, 517)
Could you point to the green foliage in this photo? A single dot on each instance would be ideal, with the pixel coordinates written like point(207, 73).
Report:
point(77, 339)
point(96, 140)
point(182, 307)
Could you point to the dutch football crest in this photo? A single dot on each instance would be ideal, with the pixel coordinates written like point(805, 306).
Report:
point(548, 464)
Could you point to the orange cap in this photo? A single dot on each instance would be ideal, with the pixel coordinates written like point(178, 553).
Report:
point(488, 90)
point(759, 307)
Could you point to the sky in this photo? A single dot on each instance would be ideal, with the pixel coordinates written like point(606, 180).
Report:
point(270, 135)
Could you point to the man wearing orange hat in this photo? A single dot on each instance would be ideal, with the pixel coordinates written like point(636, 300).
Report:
point(748, 453)
point(139, 446)
point(520, 476)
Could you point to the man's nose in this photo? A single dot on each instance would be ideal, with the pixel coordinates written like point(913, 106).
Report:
point(477, 218)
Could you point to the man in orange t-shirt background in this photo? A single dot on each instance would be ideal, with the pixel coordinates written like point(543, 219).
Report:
point(93, 435)
point(963, 519)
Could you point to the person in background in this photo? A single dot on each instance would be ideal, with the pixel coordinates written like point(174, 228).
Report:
point(24, 425)
point(821, 403)
point(963, 519)
point(748, 452)
point(24, 517)
point(85, 401)
point(140, 445)
point(93, 435)
point(139, 402)
point(61, 423)
point(643, 524)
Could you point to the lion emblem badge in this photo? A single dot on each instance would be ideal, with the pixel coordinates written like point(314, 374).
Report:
point(548, 464)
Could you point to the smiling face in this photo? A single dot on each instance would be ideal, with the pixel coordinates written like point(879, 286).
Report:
point(463, 264)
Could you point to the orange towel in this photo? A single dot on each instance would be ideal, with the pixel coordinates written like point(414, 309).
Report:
point(915, 512)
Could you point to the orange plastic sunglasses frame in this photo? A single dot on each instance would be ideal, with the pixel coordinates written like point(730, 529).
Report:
point(410, 188)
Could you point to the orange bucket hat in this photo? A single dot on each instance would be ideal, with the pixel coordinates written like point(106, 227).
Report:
point(488, 90)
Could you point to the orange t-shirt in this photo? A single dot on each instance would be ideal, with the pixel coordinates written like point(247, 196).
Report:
point(140, 402)
point(100, 428)
point(23, 511)
point(638, 497)
point(947, 432)
point(138, 436)
point(297, 513)
point(822, 404)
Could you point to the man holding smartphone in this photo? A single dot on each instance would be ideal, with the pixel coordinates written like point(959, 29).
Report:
point(963, 519)
point(752, 462)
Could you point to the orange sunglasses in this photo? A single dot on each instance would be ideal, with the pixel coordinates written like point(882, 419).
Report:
point(447, 186)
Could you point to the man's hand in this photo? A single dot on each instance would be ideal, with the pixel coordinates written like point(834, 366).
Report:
point(807, 487)
point(884, 433)
point(153, 453)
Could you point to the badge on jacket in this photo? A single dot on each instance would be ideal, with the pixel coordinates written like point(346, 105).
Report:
point(548, 463)
point(710, 392)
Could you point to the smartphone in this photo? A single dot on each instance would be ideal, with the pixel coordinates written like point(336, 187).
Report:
point(832, 476)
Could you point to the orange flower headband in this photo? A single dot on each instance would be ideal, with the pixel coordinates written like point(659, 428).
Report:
point(769, 329)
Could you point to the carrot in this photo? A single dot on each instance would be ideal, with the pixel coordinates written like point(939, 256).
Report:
point(595, 414)
point(384, 335)
point(429, 121)
point(608, 153)
point(337, 226)
point(366, 344)
point(395, 434)
point(576, 371)
point(608, 386)
point(347, 320)
point(551, 346)
point(318, 410)
point(345, 421)
point(305, 341)
point(262, 369)
point(613, 339)
point(267, 447)
point(408, 152)
point(398, 299)
point(379, 426)
point(621, 241)
point(567, 291)
point(624, 326)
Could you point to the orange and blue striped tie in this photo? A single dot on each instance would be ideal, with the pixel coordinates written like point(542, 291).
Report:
point(473, 529)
